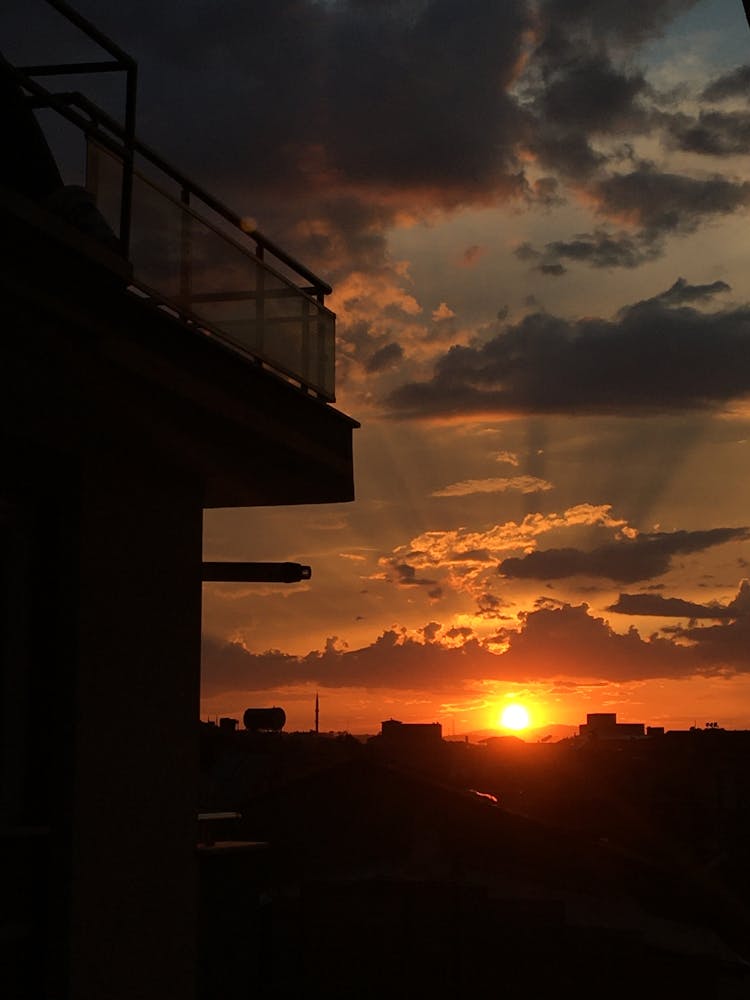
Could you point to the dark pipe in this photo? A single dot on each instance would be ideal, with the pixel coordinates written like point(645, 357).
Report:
point(255, 572)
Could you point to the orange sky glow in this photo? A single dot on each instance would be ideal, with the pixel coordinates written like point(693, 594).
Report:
point(541, 300)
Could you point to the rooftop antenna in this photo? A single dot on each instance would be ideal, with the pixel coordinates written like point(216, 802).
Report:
point(317, 713)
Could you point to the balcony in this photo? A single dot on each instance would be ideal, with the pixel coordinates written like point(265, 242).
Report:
point(189, 254)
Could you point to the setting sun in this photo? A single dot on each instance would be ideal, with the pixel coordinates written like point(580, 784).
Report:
point(514, 717)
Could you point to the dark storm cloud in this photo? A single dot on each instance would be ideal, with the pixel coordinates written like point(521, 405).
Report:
point(620, 24)
point(657, 204)
point(327, 122)
point(736, 83)
point(675, 607)
point(568, 641)
point(580, 93)
point(419, 100)
point(310, 99)
point(666, 607)
point(404, 94)
point(340, 114)
point(725, 645)
point(712, 133)
point(406, 575)
point(682, 292)
point(722, 646)
point(589, 93)
point(570, 153)
point(599, 249)
point(385, 357)
point(662, 203)
point(624, 561)
point(655, 357)
point(489, 606)
point(602, 249)
point(391, 661)
point(554, 270)
point(581, 82)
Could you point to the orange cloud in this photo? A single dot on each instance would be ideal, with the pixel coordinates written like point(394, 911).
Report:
point(443, 311)
point(520, 484)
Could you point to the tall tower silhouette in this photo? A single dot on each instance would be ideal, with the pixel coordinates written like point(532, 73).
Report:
point(317, 712)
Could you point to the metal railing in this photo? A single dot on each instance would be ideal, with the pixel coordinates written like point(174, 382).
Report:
point(189, 252)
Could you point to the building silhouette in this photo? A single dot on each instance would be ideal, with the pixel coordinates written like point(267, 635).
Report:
point(604, 726)
point(156, 361)
point(410, 735)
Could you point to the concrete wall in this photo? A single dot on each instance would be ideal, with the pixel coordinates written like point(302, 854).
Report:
point(133, 903)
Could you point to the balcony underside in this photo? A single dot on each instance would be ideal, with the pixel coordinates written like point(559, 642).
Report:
point(92, 367)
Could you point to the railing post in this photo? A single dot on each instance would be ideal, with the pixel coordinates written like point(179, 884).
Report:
point(320, 340)
point(260, 305)
point(322, 351)
point(186, 252)
point(92, 168)
point(305, 359)
point(126, 200)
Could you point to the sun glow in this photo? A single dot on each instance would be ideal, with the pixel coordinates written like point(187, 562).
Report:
point(514, 717)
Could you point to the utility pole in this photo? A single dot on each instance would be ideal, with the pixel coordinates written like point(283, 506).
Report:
point(317, 712)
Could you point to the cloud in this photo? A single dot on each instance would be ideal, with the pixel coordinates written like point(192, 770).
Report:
point(393, 660)
point(554, 270)
point(333, 122)
point(333, 91)
point(666, 607)
point(466, 560)
point(385, 357)
point(509, 457)
point(624, 561)
point(406, 575)
point(490, 606)
point(361, 111)
point(562, 641)
point(657, 356)
point(660, 202)
point(521, 484)
point(599, 249)
point(675, 607)
point(712, 133)
point(655, 204)
point(724, 646)
point(609, 20)
point(581, 83)
point(735, 83)
point(462, 546)
point(567, 640)
point(580, 93)
point(443, 311)
point(682, 292)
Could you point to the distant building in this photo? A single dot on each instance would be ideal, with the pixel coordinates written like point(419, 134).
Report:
point(604, 726)
point(409, 735)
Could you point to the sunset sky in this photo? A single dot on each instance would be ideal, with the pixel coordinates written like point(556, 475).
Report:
point(535, 220)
